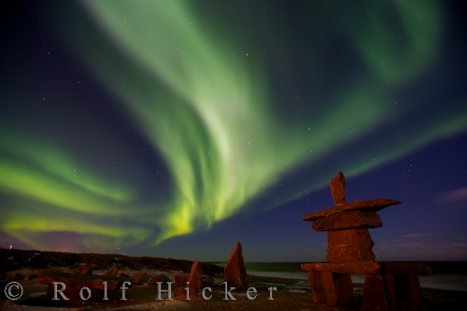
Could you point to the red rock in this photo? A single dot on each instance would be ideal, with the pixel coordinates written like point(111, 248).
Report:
point(195, 278)
point(153, 280)
point(331, 289)
point(180, 279)
point(83, 269)
point(124, 276)
point(180, 293)
point(357, 267)
point(157, 278)
point(350, 245)
point(348, 220)
point(139, 278)
point(234, 271)
point(337, 187)
point(364, 205)
point(112, 271)
point(374, 295)
point(46, 275)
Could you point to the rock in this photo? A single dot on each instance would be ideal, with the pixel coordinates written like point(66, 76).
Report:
point(112, 271)
point(337, 187)
point(46, 275)
point(348, 220)
point(124, 276)
point(357, 267)
point(34, 274)
point(181, 279)
point(83, 269)
point(329, 288)
point(374, 295)
point(153, 280)
point(139, 278)
point(363, 205)
point(157, 278)
point(195, 278)
point(179, 293)
point(349, 246)
point(234, 271)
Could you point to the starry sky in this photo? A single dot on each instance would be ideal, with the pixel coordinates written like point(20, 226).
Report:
point(176, 128)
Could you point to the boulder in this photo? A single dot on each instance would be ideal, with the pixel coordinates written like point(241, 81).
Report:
point(157, 278)
point(124, 276)
point(112, 271)
point(179, 293)
point(234, 271)
point(83, 269)
point(139, 278)
point(181, 279)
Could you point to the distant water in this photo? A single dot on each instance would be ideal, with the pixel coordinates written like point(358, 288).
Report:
point(290, 270)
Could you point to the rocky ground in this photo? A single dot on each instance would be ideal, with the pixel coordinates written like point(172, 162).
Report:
point(36, 270)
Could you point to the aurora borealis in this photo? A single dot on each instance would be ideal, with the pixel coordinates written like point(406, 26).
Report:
point(144, 125)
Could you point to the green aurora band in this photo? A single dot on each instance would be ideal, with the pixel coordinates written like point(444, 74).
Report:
point(210, 115)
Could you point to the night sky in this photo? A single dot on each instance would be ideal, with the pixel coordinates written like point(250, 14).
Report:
point(176, 128)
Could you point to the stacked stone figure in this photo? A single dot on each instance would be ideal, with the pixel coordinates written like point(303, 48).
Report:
point(350, 251)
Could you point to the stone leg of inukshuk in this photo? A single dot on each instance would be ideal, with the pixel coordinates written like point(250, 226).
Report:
point(395, 288)
point(330, 288)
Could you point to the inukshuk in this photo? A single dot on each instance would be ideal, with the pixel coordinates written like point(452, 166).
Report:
point(388, 286)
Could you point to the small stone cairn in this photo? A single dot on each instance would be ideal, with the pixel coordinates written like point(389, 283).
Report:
point(388, 285)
